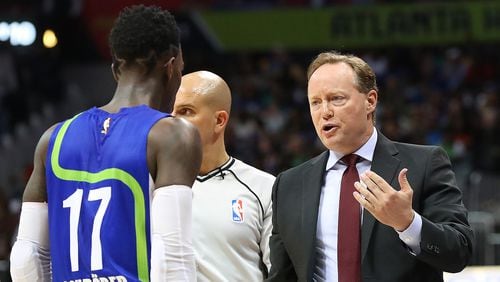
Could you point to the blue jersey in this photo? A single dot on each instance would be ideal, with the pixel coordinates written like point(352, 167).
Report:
point(99, 196)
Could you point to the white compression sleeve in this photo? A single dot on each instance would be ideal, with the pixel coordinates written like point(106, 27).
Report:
point(172, 255)
point(30, 255)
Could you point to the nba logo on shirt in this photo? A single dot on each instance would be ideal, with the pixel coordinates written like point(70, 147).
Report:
point(237, 207)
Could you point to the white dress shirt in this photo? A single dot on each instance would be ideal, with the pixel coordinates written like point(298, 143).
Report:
point(327, 230)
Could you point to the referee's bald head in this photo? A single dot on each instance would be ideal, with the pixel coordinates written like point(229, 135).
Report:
point(213, 88)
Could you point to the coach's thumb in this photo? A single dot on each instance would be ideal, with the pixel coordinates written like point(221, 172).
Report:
point(403, 180)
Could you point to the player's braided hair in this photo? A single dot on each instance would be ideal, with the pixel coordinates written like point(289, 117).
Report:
point(141, 34)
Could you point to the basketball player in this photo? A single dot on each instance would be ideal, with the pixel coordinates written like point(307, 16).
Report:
point(100, 176)
point(231, 199)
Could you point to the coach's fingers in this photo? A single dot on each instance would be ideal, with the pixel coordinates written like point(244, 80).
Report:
point(403, 180)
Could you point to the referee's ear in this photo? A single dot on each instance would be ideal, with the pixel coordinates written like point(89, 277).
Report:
point(221, 122)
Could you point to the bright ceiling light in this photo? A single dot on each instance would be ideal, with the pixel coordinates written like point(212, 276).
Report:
point(49, 38)
point(23, 33)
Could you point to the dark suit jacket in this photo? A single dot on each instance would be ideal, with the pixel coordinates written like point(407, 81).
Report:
point(446, 242)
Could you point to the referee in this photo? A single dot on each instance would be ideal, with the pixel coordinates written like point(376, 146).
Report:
point(231, 199)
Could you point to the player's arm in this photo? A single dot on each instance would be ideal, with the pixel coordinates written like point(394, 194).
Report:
point(176, 146)
point(178, 155)
point(30, 255)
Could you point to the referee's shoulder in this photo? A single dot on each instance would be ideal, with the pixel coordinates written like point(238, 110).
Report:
point(246, 170)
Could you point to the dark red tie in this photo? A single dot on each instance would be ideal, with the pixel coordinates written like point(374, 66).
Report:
point(349, 233)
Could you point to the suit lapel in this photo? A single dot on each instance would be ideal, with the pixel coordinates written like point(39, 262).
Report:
point(386, 165)
point(312, 181)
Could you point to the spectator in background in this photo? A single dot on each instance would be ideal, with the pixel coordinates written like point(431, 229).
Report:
point(9, 86)
point(7, 227)
point(486, 154)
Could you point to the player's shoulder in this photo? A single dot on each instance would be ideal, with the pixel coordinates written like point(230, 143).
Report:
point(172, 128)
point(45, 138)
point(43, 143)
point(176, 139)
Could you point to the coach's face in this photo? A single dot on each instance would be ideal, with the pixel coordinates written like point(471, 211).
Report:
point(342, 116)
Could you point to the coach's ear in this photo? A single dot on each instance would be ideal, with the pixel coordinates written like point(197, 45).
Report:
point(371, 102)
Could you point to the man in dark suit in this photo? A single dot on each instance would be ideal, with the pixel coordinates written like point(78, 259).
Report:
point(407, 220)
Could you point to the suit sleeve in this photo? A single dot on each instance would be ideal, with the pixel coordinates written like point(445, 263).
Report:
point(446, 241)
point(281, 265)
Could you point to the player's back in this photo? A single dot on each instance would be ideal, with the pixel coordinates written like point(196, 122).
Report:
point(98, 189)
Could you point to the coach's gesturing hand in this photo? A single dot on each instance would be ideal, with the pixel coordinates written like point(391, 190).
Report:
point(386, 204)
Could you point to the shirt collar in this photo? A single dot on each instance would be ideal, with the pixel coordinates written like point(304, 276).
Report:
point(217, 171)
point(366, 151)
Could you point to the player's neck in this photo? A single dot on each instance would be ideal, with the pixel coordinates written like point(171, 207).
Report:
point(131, 96)
point(133, 89)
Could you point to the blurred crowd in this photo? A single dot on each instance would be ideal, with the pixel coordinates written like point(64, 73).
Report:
point(28, 79)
